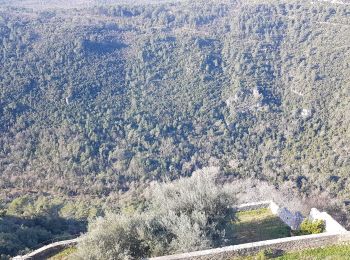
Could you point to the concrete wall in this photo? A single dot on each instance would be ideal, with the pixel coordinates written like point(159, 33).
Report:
point(252, 206)
point(48, 251)
point(293, 220)
point(274, 207)
point(332, 226)
point(335, 233)
point(284, 244)
point(290, 219)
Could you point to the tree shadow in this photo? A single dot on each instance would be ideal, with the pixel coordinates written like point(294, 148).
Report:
point(239, 231)
point(21, 235)
point(103, 47)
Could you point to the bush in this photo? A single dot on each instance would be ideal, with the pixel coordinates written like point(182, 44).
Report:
point(192, 210)
point(114, 237)
point(308, 227)
point(200, 192)
point(185, 215)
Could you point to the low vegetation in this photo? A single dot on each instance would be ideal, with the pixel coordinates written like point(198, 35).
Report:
point(308, 227)
point(66, 254)
point(96, 100)
point(29, 222)
point(335, 252)
point(257, 225)
point(59, 219)
point(105, 98)
point(185, 215)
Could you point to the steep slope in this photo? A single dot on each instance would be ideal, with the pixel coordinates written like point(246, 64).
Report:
point(95, 100)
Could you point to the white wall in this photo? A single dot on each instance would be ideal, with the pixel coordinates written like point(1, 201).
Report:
point(332, 226)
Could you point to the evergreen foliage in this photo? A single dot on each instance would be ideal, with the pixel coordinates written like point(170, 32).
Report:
point(99, 100)
point(185, 215)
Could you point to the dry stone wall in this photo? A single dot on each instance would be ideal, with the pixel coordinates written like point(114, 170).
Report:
point(281, 244)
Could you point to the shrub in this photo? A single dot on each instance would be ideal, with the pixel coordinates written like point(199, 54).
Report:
point(193, 210)
point(18, 206)
point(114, 237)
point(188, 232)
point(308, 227)
point(185, 215)
point(201, 192)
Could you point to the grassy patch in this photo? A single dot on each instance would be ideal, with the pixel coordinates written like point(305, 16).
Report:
point(256, 225)
point(65, 254)
point(336, 252)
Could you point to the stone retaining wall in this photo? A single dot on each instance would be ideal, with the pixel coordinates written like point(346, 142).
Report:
point(252, 206)
point(282, 244)
point(290, 219)
point(332, 226)
point(48, 251)
point(335, 233)
point(293, 220)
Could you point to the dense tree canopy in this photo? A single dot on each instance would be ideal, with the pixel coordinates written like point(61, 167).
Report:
point(96, 100)
point(112, 95)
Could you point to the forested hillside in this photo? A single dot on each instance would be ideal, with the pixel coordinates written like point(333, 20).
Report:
point(98, 99)
point(94, 99)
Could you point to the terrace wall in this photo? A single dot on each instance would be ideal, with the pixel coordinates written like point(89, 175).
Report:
point(281, 244)
point(48, 251)
point(332, 226)
point(290, 219)
point(252, 206)
point(335, 233)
